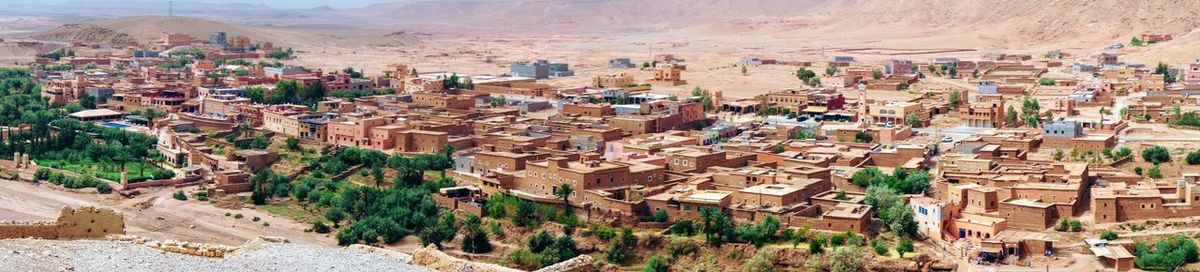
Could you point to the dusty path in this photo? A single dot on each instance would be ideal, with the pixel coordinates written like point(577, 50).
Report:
point(163, 217)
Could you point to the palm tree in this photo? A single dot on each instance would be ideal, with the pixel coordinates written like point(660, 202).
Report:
point(1103, 111)
point(564, 192)
point(378, 173)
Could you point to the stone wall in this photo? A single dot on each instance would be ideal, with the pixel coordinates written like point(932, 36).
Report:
point(82, 223)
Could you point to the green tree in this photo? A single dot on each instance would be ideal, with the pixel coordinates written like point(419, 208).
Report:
point(564, 192)
point(831, 70)
point(905, 246)
point(1156, 154)
point(876, 74)
point(445, 230)
point(912, 119)
point(763, 261)
point(526, 215)
point(846, 259)
point(954, 100)
point(817, 245)
point(1045, 81)
point(1057, 155)
point(293, 143)
point(335, 216)
point(1010, 116)
point(1136, 42)
point(498, 101)
point(475, 240)
point(716, 226)
point(619, 249)
point(744, 72)
point(778, 149)
point(880, 247)
point(1154, 172)
point(863, 137)
point(1193, 158)
point(87, 101)
point(540, 241)
point(805, 75)
point(683, 228)
point(656, 264)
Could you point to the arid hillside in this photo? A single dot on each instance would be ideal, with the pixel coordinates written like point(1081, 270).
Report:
point(573, 16)
point(143, 29)
point(983, 23)
point(147, 29)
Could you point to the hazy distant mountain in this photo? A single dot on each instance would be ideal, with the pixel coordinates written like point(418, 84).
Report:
point(1003, 21)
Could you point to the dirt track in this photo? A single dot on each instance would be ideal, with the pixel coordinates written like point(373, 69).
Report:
point(162, 218)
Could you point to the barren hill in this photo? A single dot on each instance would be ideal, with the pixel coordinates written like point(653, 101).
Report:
point(144, 29)
point(567, 16)
point(997, 23)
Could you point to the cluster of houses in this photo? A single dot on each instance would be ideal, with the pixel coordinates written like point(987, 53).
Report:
point(628, 152)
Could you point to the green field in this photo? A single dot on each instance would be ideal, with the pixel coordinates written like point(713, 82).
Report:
point(138, 171)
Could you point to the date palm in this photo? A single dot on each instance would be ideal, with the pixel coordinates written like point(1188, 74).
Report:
point(564, 192)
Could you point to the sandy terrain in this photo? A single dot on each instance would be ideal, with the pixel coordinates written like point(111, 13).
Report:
point(155, 215)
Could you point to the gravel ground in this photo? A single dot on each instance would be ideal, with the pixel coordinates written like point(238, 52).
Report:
point(89, 255)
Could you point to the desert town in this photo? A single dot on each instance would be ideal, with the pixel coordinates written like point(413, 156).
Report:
point(1064, 160)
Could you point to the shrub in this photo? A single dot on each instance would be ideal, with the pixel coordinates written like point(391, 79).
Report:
point(1193, 158)
point(1063, 225)
point(238, 216)
point(605, 233)
point(1156, 154)
point(228, 214)
point(179, 195)
point(42, 174)
point(881, 249)
point(763, 261)
point(1076, 226)
point(837, 240)
point(682, 246)
point(255, 219)
point(659, 215)
point(1154, 173)
point(905, 246)
point(265, 224)
point(1166, 254)
point(1108, 235)
point(683, 228)
point(655, 264)
point(816, 245)
point(320, 227)
point(104, 188)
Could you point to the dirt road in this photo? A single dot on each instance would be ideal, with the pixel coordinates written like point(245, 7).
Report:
point(157, 216)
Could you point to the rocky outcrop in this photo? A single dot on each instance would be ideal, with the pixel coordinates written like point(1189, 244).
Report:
point(435, 259)
point(199, 249)
point(581, 263)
